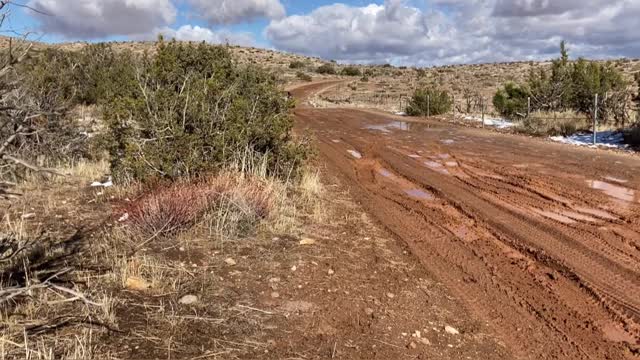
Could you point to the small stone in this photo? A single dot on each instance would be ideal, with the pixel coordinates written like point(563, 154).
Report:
point(331, 272)
point(230, 262)
point(188, 300)
point(417, 334)
point(275, 295)
point(425, 341)
point(28, 216)
point(294, 268)
point(274, 280)
point(182, 249)
point(136, 283)
point(412, 345)
point(307, 241)
point(391, 295)
point(451, 330)
point(368, 311)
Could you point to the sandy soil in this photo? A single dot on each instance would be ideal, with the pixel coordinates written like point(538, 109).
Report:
point(539, 241)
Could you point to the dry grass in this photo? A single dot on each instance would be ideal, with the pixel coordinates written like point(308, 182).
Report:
point(553, 123)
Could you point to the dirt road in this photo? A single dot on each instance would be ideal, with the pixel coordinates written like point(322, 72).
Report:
point(538, 240)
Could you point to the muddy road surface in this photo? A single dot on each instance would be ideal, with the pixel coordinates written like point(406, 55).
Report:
point(539, 241)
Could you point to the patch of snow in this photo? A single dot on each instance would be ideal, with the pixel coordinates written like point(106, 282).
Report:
point(108, 183)
point(608, 139)
point(499, 123)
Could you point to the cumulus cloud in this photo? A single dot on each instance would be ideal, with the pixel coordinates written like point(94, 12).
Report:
point(237, 11)
point(197, 33)
point(454, 31)
point(88, 19)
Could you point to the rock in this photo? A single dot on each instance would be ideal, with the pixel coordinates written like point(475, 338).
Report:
point(294, 268)
point(188, 300)
point(275, 295)
point(298, 306)
point(124, 217)
point(307, 241)
point(412, 345)
point(417, 334)
point(425, 341)
point(451, 330)
point(368, 311)
point(331, 272)
point(28, 216)
point(391, 295)
point(138, 284)
point(230, 262)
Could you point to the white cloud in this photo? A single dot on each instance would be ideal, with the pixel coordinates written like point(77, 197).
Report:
point(197, 33)
point(237, 11)
point(454, 31)
point(102, 18)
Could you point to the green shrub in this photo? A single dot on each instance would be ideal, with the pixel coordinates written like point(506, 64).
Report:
point(296, 64)
point(326, 69)
point(192, 111)
point(429, 102)
point(303, 76)
point(511, 101)
point(351, 71)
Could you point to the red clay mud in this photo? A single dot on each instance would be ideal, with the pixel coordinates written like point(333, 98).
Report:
point(536, 239)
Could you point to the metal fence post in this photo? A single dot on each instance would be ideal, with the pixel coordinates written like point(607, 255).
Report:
point(595, 120)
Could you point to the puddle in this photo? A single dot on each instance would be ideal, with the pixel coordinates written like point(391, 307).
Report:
point(394, 125)
point(355, 154)
point(597, 213)
point(577, 216)
point(433, 165)
point(447, 141)
point(615, 179)
point(451, 163)
point(384, 172)
point(557, 217)
point(615, 191)
point(419, 194)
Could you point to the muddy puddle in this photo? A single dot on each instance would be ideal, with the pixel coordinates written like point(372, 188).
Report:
point(355, 154)
point(615, 191)
point(389, 127)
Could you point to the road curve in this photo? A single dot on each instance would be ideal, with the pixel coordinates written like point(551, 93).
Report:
point(539, 241)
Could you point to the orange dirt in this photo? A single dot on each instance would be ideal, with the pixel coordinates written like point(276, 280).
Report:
point(540, 241)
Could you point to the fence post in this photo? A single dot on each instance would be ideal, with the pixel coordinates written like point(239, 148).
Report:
point(595, 121)
point(453, 97)
point(482, 109)
point(528, 106)
point(428, 105)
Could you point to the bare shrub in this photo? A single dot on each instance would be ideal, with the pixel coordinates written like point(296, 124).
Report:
point(173, 208)
point(553, 123)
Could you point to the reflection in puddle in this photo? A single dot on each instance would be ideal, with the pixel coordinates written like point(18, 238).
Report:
point(394, 125)
point(384, 172)
point(433, 165)
point(355, 154)
point(553, 216)
point(419, 194)
point(451, 164)
point(615, 191)
point(615, 179)
point(597, 213)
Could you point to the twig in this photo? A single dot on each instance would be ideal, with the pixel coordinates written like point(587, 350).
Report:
point(255, 309)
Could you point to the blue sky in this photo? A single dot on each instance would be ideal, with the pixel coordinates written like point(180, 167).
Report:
point(403, 32)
